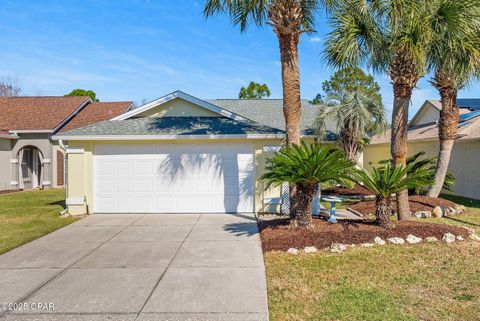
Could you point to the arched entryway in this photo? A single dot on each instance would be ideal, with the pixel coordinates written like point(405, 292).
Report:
point(30, 169)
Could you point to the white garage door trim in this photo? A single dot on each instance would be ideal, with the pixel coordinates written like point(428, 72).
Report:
point(174, 178)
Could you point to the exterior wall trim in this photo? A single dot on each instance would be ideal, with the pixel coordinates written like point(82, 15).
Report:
point(75, 150)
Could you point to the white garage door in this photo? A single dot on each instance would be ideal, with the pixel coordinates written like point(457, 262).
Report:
point(173, 178)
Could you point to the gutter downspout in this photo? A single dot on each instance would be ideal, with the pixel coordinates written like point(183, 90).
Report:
point(64, 148)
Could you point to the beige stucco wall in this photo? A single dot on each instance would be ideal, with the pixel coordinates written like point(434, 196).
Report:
point(5, 152)
point(178, 108)
point(44, 144)
point(463, 163)
point(80, 170)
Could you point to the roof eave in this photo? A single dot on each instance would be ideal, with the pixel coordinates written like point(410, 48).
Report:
point(9, 136)
point(30, 131)
point(166, 137)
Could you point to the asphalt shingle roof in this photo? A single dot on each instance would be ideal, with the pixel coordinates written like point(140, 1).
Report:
point(467, 130)
point(269, 112)
point(36, 113)
point(174, 126)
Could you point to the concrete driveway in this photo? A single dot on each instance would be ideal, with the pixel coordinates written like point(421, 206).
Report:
point(139, 267)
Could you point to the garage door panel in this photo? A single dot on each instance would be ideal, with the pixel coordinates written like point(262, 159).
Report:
point(105, 204)
point(123, 168)
point(124, 185)
point(144, 205)
point(169, 178)
point(125, 204)
point(143, 168)
point(144, 185)
point(105, 185)
point(105, 168)
point(183, 187)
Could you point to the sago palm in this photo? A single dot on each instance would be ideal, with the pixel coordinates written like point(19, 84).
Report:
point(356, 116)
point(419, 161)
point(386, 180)
point(307, 166)
point(390, 36)
point(454, 56)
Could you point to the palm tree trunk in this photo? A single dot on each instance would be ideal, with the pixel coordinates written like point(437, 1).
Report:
point(447, 133)
point(306, 195)
point(291, 85)
point(285, 18)
point(383, 211)
point(399, 147)
point(348, 141)
point(404, 73)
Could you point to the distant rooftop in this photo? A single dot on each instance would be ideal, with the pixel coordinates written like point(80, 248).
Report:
point(472, 103)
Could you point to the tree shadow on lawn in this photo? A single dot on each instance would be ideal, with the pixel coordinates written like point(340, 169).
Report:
point(59, 203)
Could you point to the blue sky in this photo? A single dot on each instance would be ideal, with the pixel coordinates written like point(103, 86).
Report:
point(140, 49)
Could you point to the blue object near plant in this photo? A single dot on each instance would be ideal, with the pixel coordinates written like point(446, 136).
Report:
point(333, 201)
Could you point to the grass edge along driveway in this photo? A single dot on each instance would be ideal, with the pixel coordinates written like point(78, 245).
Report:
point(26, 216)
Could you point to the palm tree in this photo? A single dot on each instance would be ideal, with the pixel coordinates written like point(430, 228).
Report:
point(390, 36)
point(386, 180)
point(288, 19)
point(356, 115)
point(454, 55)
point(307, 166)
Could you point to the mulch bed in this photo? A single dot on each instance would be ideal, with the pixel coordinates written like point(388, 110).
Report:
point(417, 203)
point(357, 190)
point(278, 235)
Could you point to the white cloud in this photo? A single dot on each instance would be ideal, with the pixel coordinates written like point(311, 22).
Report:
point(315, 39)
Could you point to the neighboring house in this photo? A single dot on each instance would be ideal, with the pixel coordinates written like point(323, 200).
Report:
point(423, 136)
point(28, 157)
point(177, 154)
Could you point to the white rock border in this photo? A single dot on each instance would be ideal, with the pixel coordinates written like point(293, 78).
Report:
point(411, 239)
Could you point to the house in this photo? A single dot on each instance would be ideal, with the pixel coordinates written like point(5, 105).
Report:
point(29, 158)
point(177, 154)
point(423, 136)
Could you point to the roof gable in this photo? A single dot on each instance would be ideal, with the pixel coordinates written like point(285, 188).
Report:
point(429, 112)
point(210, 108)
point(178, 107)
point(97, 112)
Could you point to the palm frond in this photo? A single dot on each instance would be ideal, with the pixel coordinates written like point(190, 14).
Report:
point(386, 180)
point(307, 164)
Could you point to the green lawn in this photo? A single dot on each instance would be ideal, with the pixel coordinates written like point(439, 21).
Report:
point(25, 216)
point(422, 282)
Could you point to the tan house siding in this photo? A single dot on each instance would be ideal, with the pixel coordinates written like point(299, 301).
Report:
point(463, 164)
point(178, 108)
